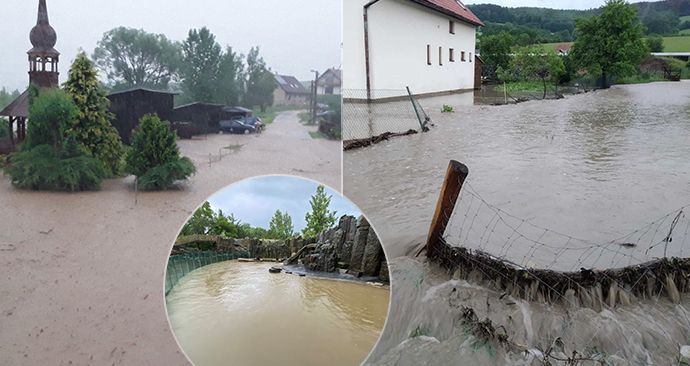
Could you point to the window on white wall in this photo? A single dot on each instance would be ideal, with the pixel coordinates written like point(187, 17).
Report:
point(470, 58)
point(451, 55)
point(428, 54)
point(451, 27)
point(462, 56)
point(440, 56)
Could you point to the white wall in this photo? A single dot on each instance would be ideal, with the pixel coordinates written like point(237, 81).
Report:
point(399, 32)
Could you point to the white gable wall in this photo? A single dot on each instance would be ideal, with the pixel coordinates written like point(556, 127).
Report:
point(399, 32)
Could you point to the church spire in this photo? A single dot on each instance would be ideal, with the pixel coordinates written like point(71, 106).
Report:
point(43, 57)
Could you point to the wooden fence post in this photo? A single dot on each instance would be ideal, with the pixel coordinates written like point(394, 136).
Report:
point(455, 177)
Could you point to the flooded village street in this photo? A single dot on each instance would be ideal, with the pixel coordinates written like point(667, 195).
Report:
point(594, 166)
point(83, 278)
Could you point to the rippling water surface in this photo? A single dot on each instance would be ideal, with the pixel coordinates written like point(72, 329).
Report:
point(234, 313)
point(594, 166)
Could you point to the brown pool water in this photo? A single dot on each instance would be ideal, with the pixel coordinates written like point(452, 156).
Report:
point(233, 313)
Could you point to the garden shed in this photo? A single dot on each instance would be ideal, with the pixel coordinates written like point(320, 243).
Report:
point(129, 106)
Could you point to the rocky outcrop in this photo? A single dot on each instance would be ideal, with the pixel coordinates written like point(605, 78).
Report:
point(352, 245)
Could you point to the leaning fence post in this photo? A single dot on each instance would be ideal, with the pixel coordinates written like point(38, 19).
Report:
point(455, 177)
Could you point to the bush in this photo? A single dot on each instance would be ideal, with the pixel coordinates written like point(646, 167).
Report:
point(52, 110)
point(154, 157)
point(447, 109)
point(4, 128)
point(42, 168)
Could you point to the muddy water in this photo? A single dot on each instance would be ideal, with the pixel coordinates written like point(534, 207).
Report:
point(595, 166)
point(240, 314)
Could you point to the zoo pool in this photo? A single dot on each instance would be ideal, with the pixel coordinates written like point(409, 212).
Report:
point(240, 314)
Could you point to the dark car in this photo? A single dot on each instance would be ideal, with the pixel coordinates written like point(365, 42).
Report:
point(236, 126)
point(253, 121)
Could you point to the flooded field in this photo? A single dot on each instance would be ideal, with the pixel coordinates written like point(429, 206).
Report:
point(239, 313)
point(595, 166)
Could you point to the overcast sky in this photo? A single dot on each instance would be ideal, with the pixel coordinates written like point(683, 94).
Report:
point(295, 35)
point(556, 4)
point(255, 200)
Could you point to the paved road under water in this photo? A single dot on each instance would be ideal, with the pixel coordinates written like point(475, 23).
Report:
point(240, 314)
point(595, 166)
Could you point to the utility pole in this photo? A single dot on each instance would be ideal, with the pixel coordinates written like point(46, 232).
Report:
point(313, 97)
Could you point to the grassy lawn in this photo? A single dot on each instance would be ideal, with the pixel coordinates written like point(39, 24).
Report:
point(521, 86)
point(685, 32)
point(677, 44)
point(671, 44)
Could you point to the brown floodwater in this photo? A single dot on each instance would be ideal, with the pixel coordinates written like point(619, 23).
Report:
point(594, 166)
point(233, 313)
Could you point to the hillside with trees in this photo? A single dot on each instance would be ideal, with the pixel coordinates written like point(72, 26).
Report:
point(531, 25)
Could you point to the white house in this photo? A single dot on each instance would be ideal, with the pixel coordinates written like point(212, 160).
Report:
point(427, 45)
point(329, 82)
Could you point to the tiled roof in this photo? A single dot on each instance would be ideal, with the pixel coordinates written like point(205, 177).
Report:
point(453, 8)
point(290, 84)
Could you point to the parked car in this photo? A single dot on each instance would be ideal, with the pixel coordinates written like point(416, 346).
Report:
point(254, 121)
point(236, 126)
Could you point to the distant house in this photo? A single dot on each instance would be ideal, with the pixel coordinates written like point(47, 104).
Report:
point(329, 83)
point(289, 91)
point(563, 48)
point(427, 45)
point(129, 106)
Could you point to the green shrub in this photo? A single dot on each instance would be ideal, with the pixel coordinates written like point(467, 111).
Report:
point(447, 109)
point(42, 168)
point(163, 176)
point(4, 128)
point(52, 110)
point(154, 157)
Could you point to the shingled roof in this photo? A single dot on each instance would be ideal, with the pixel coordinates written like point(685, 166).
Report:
point(19, 107)
point(453, 8)
point(290, 85)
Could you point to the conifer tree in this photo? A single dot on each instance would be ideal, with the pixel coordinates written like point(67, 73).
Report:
point(92, 129)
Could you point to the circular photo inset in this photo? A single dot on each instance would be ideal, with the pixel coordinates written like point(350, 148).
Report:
point(277, 270)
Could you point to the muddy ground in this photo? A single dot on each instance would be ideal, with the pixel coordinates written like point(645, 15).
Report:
point(82, 274)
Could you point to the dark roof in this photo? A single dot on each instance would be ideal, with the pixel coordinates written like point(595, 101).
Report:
point(236, 109)
point(199, 103)
point(290, 84)
point(19, 107)
point(144, 90)
point(453, 8)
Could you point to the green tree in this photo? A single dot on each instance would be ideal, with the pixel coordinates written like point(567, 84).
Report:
point(201, 60)
point(231, 78)
point(133, 57)
point(610, 43)
point(260, 83)
point(496, 49)
point(6, 97)
point(92, 129)
point(535, 63)
point(154, 157)
point(49, 158)
point(320, 218)
point(52, 112)
point(280, 226)
point(200, 222)
point(661, 22)
point(655, 44)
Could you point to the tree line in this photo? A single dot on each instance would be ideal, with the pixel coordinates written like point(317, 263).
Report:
point(609, 44)
point(198, 67)
point(541, 25)
point(206, 221)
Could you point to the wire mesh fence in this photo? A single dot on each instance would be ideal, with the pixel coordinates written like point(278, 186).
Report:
point(182, 264)
point(482, 242)
point(367, 115)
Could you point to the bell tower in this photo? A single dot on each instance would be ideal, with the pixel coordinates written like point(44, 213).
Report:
point(43, 57)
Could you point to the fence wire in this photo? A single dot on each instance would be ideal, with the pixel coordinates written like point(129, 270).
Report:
point(182, 264)
point(483, 242)
point(387, 111)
